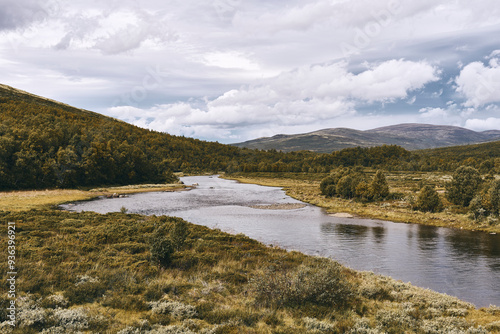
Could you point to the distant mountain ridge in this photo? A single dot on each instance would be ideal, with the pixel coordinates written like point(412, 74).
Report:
point(411, 136)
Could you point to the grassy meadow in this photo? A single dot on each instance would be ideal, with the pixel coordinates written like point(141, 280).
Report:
point(404, 187)
point(93, 273)
point(45, 199)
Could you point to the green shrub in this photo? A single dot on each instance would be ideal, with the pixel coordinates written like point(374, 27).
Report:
point(328, 186)
point(379, 187)
point(428, 200)
point(161, 249)
point(345, 187)
point(322, 282)
point(494, 194)
point(330, 191)
point(363, 191)
point(464, 186)
point(179, 234)
point(478, 208)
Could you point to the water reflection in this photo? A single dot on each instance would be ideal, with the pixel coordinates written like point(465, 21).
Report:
point(378, 234)
point(460, 263)
point(345, 230)
point(471, 244)
point(428, 238)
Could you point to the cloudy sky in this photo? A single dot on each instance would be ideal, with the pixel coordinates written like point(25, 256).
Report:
point(233, 70)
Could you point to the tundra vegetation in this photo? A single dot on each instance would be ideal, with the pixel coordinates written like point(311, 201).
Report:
point(124, 273)
point(467, 190)
point(400, 196)
point(127, 273)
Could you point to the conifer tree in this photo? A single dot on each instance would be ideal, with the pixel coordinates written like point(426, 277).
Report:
point(379, 187)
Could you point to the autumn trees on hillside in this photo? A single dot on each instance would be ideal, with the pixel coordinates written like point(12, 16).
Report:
point(44, 144)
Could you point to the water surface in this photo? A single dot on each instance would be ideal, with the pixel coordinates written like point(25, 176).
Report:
point(460, 263)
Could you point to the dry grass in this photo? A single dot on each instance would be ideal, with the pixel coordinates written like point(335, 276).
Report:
point(42, 199)
point(217, 283)
point(395, 210)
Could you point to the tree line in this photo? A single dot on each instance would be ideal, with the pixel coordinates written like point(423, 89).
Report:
point(467, 189)
point(44, 144)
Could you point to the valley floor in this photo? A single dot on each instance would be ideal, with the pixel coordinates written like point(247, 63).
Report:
point(305, 187)
point(93, 273)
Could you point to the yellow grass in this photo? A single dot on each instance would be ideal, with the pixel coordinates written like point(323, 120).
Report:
point(41, 199)
point(397, 211)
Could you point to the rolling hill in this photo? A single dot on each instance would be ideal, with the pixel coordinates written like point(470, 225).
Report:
point(48, 144)
point(410, 136)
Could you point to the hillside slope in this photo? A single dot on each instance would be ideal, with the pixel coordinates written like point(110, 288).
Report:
point(47, 144)
point(410, 136)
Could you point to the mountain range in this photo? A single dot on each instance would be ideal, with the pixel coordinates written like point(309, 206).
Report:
point(411, 136)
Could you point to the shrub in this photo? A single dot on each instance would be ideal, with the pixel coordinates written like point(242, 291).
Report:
point(161, 249)
point(314, 324)
point(331, 190)
point(179, 234)
point(54, 301)
point(428, 200)
point(363, 191)
point(30, 314)
point(464, 186)
point(494, 194)
point(72, 318)
point(325, 183)
point(397, 321)
point(322, 283)
point(379, 187)
point(177, 309)
point(345, 187)
point(477, 208)
point(85, 292)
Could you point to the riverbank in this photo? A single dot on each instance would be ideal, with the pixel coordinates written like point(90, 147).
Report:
point(306, 189)
point(88, 272)
point(44, 199)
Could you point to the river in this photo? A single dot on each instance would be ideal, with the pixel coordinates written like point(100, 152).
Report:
point(460, 263)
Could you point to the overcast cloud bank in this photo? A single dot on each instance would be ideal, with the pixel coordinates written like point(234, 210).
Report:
point(230, 70)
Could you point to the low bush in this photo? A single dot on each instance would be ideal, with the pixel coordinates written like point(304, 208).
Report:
point(322, 282)
point(161, 249)
point(428, 200)
point(85, 292)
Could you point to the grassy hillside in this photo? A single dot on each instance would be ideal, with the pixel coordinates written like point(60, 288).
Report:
point(94, 273)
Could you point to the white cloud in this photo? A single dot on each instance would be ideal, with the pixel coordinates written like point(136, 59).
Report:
point(227, 56)
point(309, 95)
point(452, 114)
point(433, 113)
point(480, 84)
point(232, 59)
point(490, 123)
